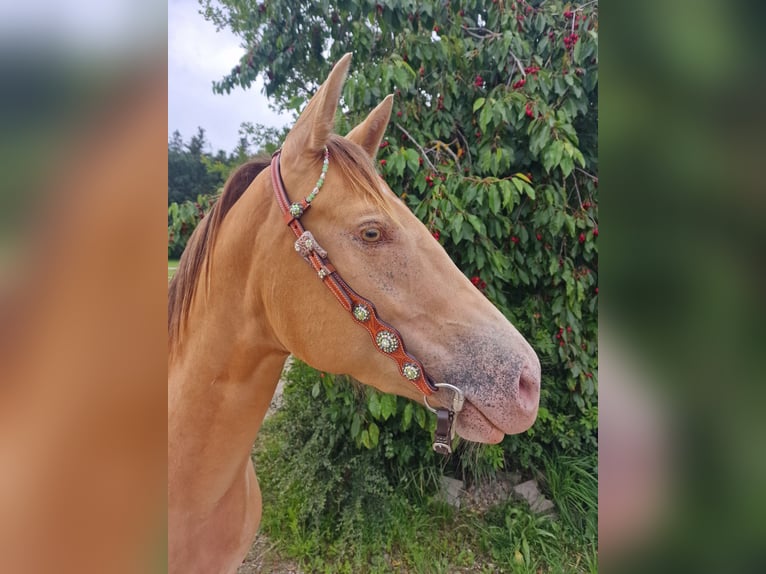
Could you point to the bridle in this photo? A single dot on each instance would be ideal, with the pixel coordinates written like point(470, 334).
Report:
point(385, 337)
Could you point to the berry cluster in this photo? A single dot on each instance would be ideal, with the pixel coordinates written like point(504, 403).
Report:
point(519, 84)
point(478, 82)
point(561, 337)
point(529, 110)
point(478, 283)
point(532, 69)
point(570, 41)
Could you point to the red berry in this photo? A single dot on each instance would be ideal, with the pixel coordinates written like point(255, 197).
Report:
point(569, 329)
point(436, 29)
point(436, 235)
point(595, 232)
point(528, 110)
point(596, 290)
point(422, 71)
point(539, 237)
point(478, 82)
point(399, 114)
point(382, 162)
point(515, 240)
point(582, 238)
point(482, 285)
point(475, 280)
point(383, 144)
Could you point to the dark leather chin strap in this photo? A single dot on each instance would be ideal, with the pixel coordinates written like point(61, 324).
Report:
point(385, 337)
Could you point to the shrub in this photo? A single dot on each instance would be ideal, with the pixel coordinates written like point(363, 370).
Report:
point(182, 219)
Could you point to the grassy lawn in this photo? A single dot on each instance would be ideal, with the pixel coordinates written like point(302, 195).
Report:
point(172, 267)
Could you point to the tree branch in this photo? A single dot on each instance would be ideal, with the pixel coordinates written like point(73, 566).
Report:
point(422, 151)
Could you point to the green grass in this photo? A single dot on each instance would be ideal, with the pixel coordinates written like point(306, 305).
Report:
point(172, 268)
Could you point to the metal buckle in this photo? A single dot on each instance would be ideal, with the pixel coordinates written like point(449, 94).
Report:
point(458, 400)
point(445, 419)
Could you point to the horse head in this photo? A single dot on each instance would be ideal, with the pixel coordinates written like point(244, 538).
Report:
point(387, 255)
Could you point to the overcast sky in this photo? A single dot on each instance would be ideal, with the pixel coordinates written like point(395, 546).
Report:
point(197, 55)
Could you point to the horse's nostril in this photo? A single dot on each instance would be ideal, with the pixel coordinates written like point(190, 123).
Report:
point(529, 389)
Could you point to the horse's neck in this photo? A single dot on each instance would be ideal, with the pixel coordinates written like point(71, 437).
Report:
point(227, 365)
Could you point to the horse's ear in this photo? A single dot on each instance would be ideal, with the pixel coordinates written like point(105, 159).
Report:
point(315, 124)
point(370, 132)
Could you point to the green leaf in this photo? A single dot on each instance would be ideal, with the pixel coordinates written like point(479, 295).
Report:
point(494, 200)
point(373, 404)
point(374, 433)
point(387, 406)
point(407, 416)
point(477, 224)
point(315, 390)
point(420, 417)
point(567, 165)
point(413, 159)
point(484, 118)
point(356, 425)
point(478, 103)
point(507, 191)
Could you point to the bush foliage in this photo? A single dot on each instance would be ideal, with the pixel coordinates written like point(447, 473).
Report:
point(492, 143)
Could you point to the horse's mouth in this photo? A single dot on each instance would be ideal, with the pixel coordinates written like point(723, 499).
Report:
point(472, 425)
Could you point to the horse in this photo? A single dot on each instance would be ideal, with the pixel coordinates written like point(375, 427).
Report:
point(242, 301)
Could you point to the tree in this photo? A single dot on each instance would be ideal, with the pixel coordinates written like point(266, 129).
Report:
point(188, 176)
point(493, 144)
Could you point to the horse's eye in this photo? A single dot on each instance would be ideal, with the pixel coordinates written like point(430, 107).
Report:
point(371, 234)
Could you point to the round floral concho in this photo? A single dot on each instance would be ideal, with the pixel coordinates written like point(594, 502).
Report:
point(387, 341)
point(410, 371)
point(361, 312)
point(296, 209)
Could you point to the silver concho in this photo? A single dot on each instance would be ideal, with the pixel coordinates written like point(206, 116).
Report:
point(386, 341)
point(410, 371)
point(296, 209)
point(361, 313)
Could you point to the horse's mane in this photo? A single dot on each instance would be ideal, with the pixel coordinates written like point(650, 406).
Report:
point(356, 168)
point(197, 253)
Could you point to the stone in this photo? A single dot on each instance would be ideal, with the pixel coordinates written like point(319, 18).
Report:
point(451, 490)
point(530, 493)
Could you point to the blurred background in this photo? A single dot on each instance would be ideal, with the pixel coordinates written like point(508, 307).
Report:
point(83, 135)
point(682, 288)
point(82, 289)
